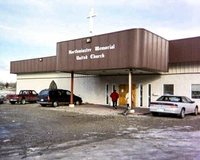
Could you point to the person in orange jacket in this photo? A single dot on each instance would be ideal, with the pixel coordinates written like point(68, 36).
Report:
point(114, 95)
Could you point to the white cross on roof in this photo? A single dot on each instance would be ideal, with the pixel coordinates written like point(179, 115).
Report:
point(91, 19)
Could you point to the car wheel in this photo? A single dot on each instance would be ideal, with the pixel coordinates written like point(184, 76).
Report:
point(77, 103)
point(196, 111)
point(23, 101)
point(182, 114)
point(55, 104)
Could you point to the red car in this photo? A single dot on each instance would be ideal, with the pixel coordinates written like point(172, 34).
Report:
point(23, 97)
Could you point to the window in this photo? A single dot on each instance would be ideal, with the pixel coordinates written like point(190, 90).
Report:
point(113, 87)
point(169, 98)
point(107, 92)
point(149, 94)
point(68, 93)
point(63, 93)
point(34, 93)
point(195, 91)
point(189, 100)
point(23, 92)
point(184, 100)
point(59, 93)
point(141, 97)
point(54, 94)
point(168, 89)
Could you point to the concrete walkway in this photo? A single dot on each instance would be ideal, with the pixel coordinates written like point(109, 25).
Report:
point(104, 110)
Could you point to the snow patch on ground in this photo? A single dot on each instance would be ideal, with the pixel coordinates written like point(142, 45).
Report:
point(170, 143)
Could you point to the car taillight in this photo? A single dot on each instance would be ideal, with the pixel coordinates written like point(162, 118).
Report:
point(151, 105)
point(174, 106)
point(48, 99)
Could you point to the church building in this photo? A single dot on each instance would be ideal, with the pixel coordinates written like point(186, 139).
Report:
point(134, 59)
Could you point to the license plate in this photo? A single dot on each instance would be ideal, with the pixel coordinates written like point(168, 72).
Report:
point(160, 109)
point(158, 105)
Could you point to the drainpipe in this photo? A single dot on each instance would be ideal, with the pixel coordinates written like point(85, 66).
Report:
point(72, 90)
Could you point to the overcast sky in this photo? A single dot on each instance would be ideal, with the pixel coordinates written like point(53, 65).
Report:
point(31, 28)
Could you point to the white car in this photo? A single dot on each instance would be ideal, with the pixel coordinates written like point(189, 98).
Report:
point(171, 104)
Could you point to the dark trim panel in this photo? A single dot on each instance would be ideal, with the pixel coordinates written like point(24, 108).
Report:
point(184, 50)
point(45, 64)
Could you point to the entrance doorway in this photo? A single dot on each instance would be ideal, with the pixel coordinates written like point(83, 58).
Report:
point(123, 88)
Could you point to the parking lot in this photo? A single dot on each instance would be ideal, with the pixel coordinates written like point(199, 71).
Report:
point(92, 132)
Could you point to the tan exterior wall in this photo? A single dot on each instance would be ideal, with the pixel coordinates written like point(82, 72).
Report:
point(176, 68)
point(93, 88)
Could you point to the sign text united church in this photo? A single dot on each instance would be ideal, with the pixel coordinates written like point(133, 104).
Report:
point(89, 50)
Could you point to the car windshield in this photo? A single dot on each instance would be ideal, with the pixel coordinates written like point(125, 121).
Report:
point(170, 98)
point(45, 92)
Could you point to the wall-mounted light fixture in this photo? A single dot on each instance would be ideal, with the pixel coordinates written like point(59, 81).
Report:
point(41, 59)
point(89, 40)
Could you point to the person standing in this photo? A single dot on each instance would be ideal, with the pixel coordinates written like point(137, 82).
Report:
point(127, 100)
point(114, 95)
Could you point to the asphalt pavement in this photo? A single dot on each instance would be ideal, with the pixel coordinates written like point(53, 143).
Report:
point(88, 132)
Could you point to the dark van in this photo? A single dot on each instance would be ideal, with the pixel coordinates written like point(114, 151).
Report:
point(55, 97)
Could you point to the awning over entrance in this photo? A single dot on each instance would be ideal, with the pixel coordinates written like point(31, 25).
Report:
point(135, 48)
point(107, 54)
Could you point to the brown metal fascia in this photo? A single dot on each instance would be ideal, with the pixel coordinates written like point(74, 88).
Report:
point(129, 42)
point(153, 51)
point(135, 57)
point(127, 30)
point(47, 64)
point(184, 50)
